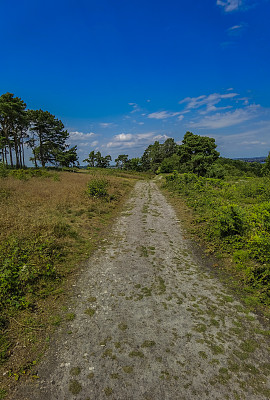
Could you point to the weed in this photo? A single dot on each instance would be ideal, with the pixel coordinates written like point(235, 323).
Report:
point(122, 327)
point(108, 391)
point(75, 371)
point(127, 369)
point(75, 387)
point(70, 316)
point(148, 343)
point(90, 312)
point(136, 353)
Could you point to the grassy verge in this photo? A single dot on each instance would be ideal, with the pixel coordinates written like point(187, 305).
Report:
point(232, 219)
point(49, 223)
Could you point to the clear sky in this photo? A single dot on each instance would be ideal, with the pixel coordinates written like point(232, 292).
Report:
point(121, 74)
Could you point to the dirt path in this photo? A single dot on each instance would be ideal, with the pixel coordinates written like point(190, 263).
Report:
point(152, 324)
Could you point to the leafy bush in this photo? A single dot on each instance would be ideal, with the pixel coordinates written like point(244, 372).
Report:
point(23, 265)
point(98, 188)
point(231, 221)
point(3, 171)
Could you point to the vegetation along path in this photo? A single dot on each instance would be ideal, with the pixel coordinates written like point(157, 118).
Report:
point(151, 323)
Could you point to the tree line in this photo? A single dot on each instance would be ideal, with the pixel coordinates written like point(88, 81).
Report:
point(38, 130)
point(46, 136)
point(195, 154)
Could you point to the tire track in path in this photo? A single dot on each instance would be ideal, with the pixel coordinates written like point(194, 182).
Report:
point(150, 323)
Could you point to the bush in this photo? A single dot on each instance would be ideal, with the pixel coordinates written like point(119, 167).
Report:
point(3, 171)
point(23, 265)
point(231, 221)
point(98, 188)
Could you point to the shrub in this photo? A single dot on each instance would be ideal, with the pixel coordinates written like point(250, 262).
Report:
point(3, 171)
point(231, 221)
point(97, 188)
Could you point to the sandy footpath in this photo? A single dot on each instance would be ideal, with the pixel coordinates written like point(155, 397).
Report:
point(151, 323)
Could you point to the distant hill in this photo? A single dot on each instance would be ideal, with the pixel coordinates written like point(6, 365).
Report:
point(252, 159)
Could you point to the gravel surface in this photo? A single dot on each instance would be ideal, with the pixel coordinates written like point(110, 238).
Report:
point(152, 323)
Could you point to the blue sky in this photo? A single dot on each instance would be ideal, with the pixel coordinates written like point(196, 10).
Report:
point(121, 74)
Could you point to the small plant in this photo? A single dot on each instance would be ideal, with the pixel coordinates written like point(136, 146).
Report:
point(98, 188)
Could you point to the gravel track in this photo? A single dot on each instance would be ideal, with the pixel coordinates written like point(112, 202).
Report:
point(151, 322)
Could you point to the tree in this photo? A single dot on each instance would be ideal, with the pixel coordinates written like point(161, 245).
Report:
point(91, 159)
point(48, 132)
point(168, 148)
point(96, 160)
point(67, 157)
point(134, 164)
point(121, 161)
point(266, 166)
point(197, 153)
point(152, 157)
point(13, 127)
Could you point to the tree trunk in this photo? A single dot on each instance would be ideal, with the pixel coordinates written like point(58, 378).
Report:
point(10, 155)
point(23, 160)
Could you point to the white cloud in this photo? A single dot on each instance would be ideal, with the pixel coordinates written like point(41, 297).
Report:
point(105, 124)
point(227, 119)
point(207, 101)
point(74, 136)
point(123, 137)
point(163, 115)
point(161, 137)
point(230, 5)
point(147, 135)
point(138, 140)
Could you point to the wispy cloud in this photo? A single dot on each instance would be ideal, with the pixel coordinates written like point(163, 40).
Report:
point(230, 5)
point(106, 124)
point(237, 30)
point(208, 103)
point(163, 115)
point(135, 107)
point(230, 118)
point(236, 5)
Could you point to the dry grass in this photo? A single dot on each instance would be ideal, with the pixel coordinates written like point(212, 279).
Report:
point(54, 210)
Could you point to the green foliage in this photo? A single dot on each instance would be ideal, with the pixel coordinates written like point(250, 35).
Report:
point(3, 170)
point(234, 216)
point(98, 188)
point(23, 264)
point(156, 153)
point(169, 164)
point(96, 160)
point(48, 138)
point(28, 173)
point(266, 166)
point(231, 221)
point(197, 153)
point(14, 123)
